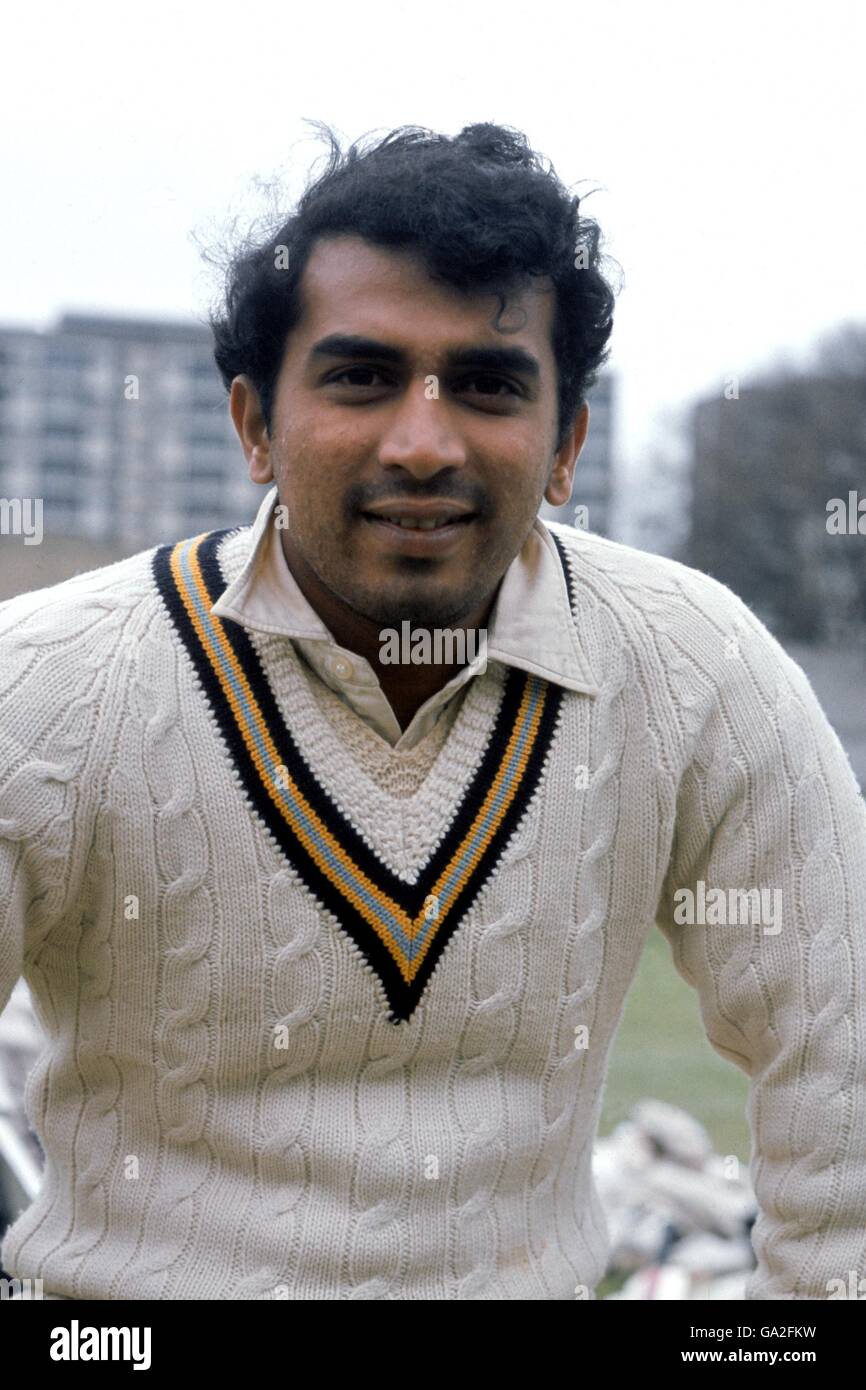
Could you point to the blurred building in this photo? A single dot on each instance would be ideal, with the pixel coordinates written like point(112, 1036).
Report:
point(593, 485)
point(121, 427)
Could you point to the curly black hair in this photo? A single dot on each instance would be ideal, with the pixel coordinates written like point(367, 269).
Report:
point(481, 210)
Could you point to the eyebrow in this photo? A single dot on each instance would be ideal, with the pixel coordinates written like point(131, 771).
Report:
point(354, 347)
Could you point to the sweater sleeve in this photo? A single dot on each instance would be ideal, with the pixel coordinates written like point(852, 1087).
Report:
point(56, 651)
point(769, 802)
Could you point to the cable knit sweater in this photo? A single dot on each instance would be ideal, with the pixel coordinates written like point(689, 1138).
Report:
point(325, 1020)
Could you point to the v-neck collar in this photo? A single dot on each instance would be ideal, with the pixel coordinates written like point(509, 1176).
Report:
point(400, 928)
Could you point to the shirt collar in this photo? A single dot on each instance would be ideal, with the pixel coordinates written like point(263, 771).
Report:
point(530, 625)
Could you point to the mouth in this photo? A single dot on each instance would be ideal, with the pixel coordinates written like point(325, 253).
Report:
point(417, 535)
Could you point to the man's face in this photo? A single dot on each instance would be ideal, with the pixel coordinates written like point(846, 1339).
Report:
point(353, 429)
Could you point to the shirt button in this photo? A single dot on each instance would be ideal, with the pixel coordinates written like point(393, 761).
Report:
point(341, 668)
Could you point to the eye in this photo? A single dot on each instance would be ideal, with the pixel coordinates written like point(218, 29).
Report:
point(499, 380)
point(353, 371)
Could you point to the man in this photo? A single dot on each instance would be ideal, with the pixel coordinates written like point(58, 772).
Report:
point(331, 948)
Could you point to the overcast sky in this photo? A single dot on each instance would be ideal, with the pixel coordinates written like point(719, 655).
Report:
point(726, 141)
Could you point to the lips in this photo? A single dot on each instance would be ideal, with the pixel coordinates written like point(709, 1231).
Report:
point(421, 523)
point(417, 540)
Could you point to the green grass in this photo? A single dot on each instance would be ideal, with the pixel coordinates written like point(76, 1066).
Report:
point(661, 1052)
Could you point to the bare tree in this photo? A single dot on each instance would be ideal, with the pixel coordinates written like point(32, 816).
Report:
point(767, 467)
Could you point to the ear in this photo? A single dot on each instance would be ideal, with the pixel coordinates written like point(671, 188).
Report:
point(561, 478)
point(249, 422)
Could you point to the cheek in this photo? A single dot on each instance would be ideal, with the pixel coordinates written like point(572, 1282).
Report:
point(518, 497)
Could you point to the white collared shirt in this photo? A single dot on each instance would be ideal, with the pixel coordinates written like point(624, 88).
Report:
point(531, 627)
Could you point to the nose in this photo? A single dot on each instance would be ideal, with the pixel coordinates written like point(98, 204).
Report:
point(419, 437)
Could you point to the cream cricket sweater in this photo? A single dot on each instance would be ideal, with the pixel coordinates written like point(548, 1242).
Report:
point(330, 1019)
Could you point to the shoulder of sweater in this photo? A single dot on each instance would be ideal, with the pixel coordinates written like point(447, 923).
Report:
point(625, 565)
point(65, 670)
point(634, 574)
point(699, 622)
point(64, 636)
point(121, 584)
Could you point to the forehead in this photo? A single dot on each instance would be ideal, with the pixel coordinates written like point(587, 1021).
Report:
point(350, 285)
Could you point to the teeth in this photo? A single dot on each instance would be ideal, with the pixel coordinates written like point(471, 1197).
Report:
point(417, 524)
